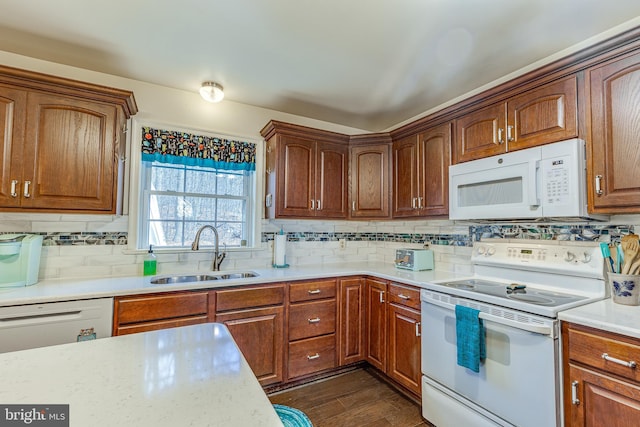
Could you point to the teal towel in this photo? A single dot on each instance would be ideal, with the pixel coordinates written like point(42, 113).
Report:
point(470, 338)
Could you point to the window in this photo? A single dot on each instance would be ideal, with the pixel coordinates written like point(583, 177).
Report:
point(188, 181)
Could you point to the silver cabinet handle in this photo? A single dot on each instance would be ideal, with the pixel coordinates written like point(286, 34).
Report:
point(599, 191)
point(381, 297)
point(14, 184)
point(313, 292)
point(315, 356)
point(313, 205)
point(314, 320)
point(574, 393)
point(413, 202)
point(404, 297)
point(420, 202)
point(319, 205)
point(509, 133)
point(500, 139)
point(418, 329)
point(353, 206)
point(630, 364)
point(27, 194)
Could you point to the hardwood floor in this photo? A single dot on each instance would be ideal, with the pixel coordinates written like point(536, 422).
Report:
point(354, 399)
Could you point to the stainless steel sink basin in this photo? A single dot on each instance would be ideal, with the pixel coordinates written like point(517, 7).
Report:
point(242, 275)
point(201, 277)
point(183, 279)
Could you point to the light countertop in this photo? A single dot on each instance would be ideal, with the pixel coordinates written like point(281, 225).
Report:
point(188, 376)
point(69, 289)
point(606, 315)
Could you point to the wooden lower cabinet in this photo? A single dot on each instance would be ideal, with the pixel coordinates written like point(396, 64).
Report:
point(376, 330)
point(404, 347)
point(351, 322)
point(259, 333)
point(601, 387)
point(142, 313)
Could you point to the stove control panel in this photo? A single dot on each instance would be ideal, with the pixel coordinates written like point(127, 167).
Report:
point(577, 257)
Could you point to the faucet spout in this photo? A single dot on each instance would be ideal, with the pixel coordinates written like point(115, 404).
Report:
point(217, 256)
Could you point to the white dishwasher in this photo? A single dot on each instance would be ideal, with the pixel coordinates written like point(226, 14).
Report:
point(40, 325)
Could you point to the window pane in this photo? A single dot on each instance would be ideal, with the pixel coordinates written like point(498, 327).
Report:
point(204, 209)
point(231, 233)
point(230, 184)
point(200, 180)
point(165, 233)
point(230, 210)
point(167, 178)
point(169, 207)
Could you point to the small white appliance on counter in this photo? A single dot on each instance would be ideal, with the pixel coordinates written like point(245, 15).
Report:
point(414, 259)
point(19, 259)
point(39, 325)
point(548, 181)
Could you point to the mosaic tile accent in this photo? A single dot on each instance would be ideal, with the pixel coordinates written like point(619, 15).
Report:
point(81, 238)
point(587, 232)
point(434, 239)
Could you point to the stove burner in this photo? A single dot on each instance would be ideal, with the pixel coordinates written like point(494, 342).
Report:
point(532, 299)
point(467, 286)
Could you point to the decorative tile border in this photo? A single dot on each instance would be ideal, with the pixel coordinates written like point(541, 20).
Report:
point(587, 232)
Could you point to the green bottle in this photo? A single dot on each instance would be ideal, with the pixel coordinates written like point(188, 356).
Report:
point(150, 263)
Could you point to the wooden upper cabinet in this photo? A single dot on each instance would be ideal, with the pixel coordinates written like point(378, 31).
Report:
point(421, 173)
point(370, 180)
point(434, 154)
point(306, 172)
point(548, 113)
point(614, 172)
point(62, 144)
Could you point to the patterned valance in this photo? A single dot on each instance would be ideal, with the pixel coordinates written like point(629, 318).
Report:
point(183, 148)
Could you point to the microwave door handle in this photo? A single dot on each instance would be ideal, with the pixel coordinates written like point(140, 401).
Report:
point(534, 166)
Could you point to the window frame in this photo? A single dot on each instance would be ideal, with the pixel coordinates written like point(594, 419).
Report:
point(135, 196)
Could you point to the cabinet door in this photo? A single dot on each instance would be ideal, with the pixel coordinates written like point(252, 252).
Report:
point(259, 334)
point(12, 121)
point(351, 322)
point(479, 134)
point(370, 181)
point(405, 177)
point(404, 347)
point(296, 177)
point(603, 400)
point(615, 151)
point(331, 180)
point(70, 161)
point(434, 149)
point(543, 115)
point(376, 315)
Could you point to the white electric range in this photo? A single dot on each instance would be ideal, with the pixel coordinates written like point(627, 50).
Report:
point(519, 286)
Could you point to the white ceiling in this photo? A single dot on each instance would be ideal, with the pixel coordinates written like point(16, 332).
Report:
point(368, 64)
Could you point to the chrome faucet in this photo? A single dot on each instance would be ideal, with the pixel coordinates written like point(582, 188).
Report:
point(217, 256)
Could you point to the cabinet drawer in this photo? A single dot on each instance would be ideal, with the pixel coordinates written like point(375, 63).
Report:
point(240, 298)
point(404, 295)
point(589, 347)
point(143, 308)
point(309, 291)
point(160, 324)
point(312, 355)
point(312, 319)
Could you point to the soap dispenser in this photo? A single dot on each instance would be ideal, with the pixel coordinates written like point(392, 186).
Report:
point(150, 263)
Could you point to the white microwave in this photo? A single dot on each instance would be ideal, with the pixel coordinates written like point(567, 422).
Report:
point(548, 181)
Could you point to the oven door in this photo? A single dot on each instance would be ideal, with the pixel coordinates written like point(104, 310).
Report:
point(518, 382)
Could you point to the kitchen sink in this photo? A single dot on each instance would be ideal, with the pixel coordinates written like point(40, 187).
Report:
point(201, 278)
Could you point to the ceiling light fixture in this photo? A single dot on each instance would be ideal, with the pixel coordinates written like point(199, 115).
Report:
point(212, 92)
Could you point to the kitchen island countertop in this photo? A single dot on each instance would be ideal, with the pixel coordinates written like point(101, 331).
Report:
point(606, 315)
point(188, 376)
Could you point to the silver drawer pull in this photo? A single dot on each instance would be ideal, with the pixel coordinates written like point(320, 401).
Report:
point(574, 393)
point(404, 297)
point(418, 329)
point(14, 184)
point(630, 364)
point(314, 292)
point(314, 320)
point(315, 356)
point(27, 193)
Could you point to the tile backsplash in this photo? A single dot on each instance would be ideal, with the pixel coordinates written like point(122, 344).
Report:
point(83, 247)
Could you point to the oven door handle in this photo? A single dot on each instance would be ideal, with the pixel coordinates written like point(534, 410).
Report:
point(537, 329)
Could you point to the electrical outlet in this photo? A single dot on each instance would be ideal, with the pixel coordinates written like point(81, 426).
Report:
point(343, 243)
